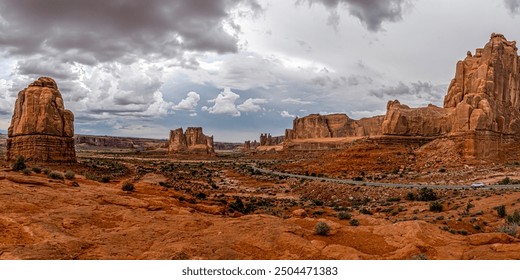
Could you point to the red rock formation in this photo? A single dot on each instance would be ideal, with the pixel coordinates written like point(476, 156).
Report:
point(41, 128)
point(405, 121)
point(481, 109)
point(268, 140)
point(332, 126)
point(483, 96)
point(193, 141)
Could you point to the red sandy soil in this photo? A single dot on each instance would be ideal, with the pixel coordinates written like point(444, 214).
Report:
point(43, 218)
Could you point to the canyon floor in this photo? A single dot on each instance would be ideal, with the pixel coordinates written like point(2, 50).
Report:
point(222, 208)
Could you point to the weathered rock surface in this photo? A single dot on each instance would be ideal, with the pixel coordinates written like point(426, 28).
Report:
point(119, 142)
point(481, 109)
point(267, 140)
point(332, 126)
point(45, 219)
point(483, 96)
point(193, 141)
point(41, 128)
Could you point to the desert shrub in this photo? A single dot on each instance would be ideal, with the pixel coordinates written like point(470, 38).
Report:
point(426, 194)
point(128, 187)
point(435, 206)
point(105, 179)
point(365, 211)
point(317, 202)
point(411, 196)
point(501, 211)
point(19, 164)
point(394, 199)
point(321, 228)
point(344, 215)
point(510, 229)
point(420, 256)
point(514, 218)
point(354, 222)
point(505, 181)
point(37, 170)
point(55, 175)
point(46, 171)
point(26, 171)
point(69, 175)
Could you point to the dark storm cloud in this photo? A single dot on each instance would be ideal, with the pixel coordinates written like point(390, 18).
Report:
point(371, 13)
point(513, 6)
point(41, 66)
point(420, 90)
point(108, 30)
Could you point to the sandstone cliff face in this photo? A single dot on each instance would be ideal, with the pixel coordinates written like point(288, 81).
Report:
point(485, 90)
point(405, 121)
point(483, 96)
point(193, 141)
point(41, 128)
point(268, 140)
point(332, 126)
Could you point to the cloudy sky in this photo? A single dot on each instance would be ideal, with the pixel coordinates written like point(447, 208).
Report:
point(238, 68)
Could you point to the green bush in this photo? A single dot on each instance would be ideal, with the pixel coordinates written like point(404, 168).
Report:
point(365, 211)
point(128, 187)
point(344, 215)
point(26, 171)
point(37, 170)
point(55, 175)
point(426, 194)
point(354, 222)
point(514, 218)
point(69, 175)
point(435, 206)
point(19, 164)
point(321, 228)
point(105, 179)
point(501, 211)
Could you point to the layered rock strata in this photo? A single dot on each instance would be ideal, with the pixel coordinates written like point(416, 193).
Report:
point(481, 109)
point(333, 126)
point(193, 141)
point(41, 128)
point(267, 140)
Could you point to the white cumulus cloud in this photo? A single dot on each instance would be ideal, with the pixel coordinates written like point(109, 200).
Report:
point(286, 114)
point(189, 103)
point(224, 104)
point(251, 105)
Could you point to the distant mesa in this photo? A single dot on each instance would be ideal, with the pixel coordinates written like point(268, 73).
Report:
point(481, 110)
point(193, 141)
point(41, 128)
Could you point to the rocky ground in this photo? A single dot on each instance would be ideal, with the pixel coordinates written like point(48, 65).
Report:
point(220, 208)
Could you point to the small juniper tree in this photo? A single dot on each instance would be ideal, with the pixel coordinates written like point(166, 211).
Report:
point(19, 164)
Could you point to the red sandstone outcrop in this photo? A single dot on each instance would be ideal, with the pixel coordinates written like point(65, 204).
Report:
point(332, 126)
point(483, 96)
point(268, 140)
point(41, 128)
point(119, 142)
point(193, 141)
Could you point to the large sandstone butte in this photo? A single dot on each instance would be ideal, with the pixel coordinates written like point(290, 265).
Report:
point(481, 110)
point(41, 128)
point(193, 141)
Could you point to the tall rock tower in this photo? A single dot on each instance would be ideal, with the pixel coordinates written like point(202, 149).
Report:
point(193, 141)
point(41, 128)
